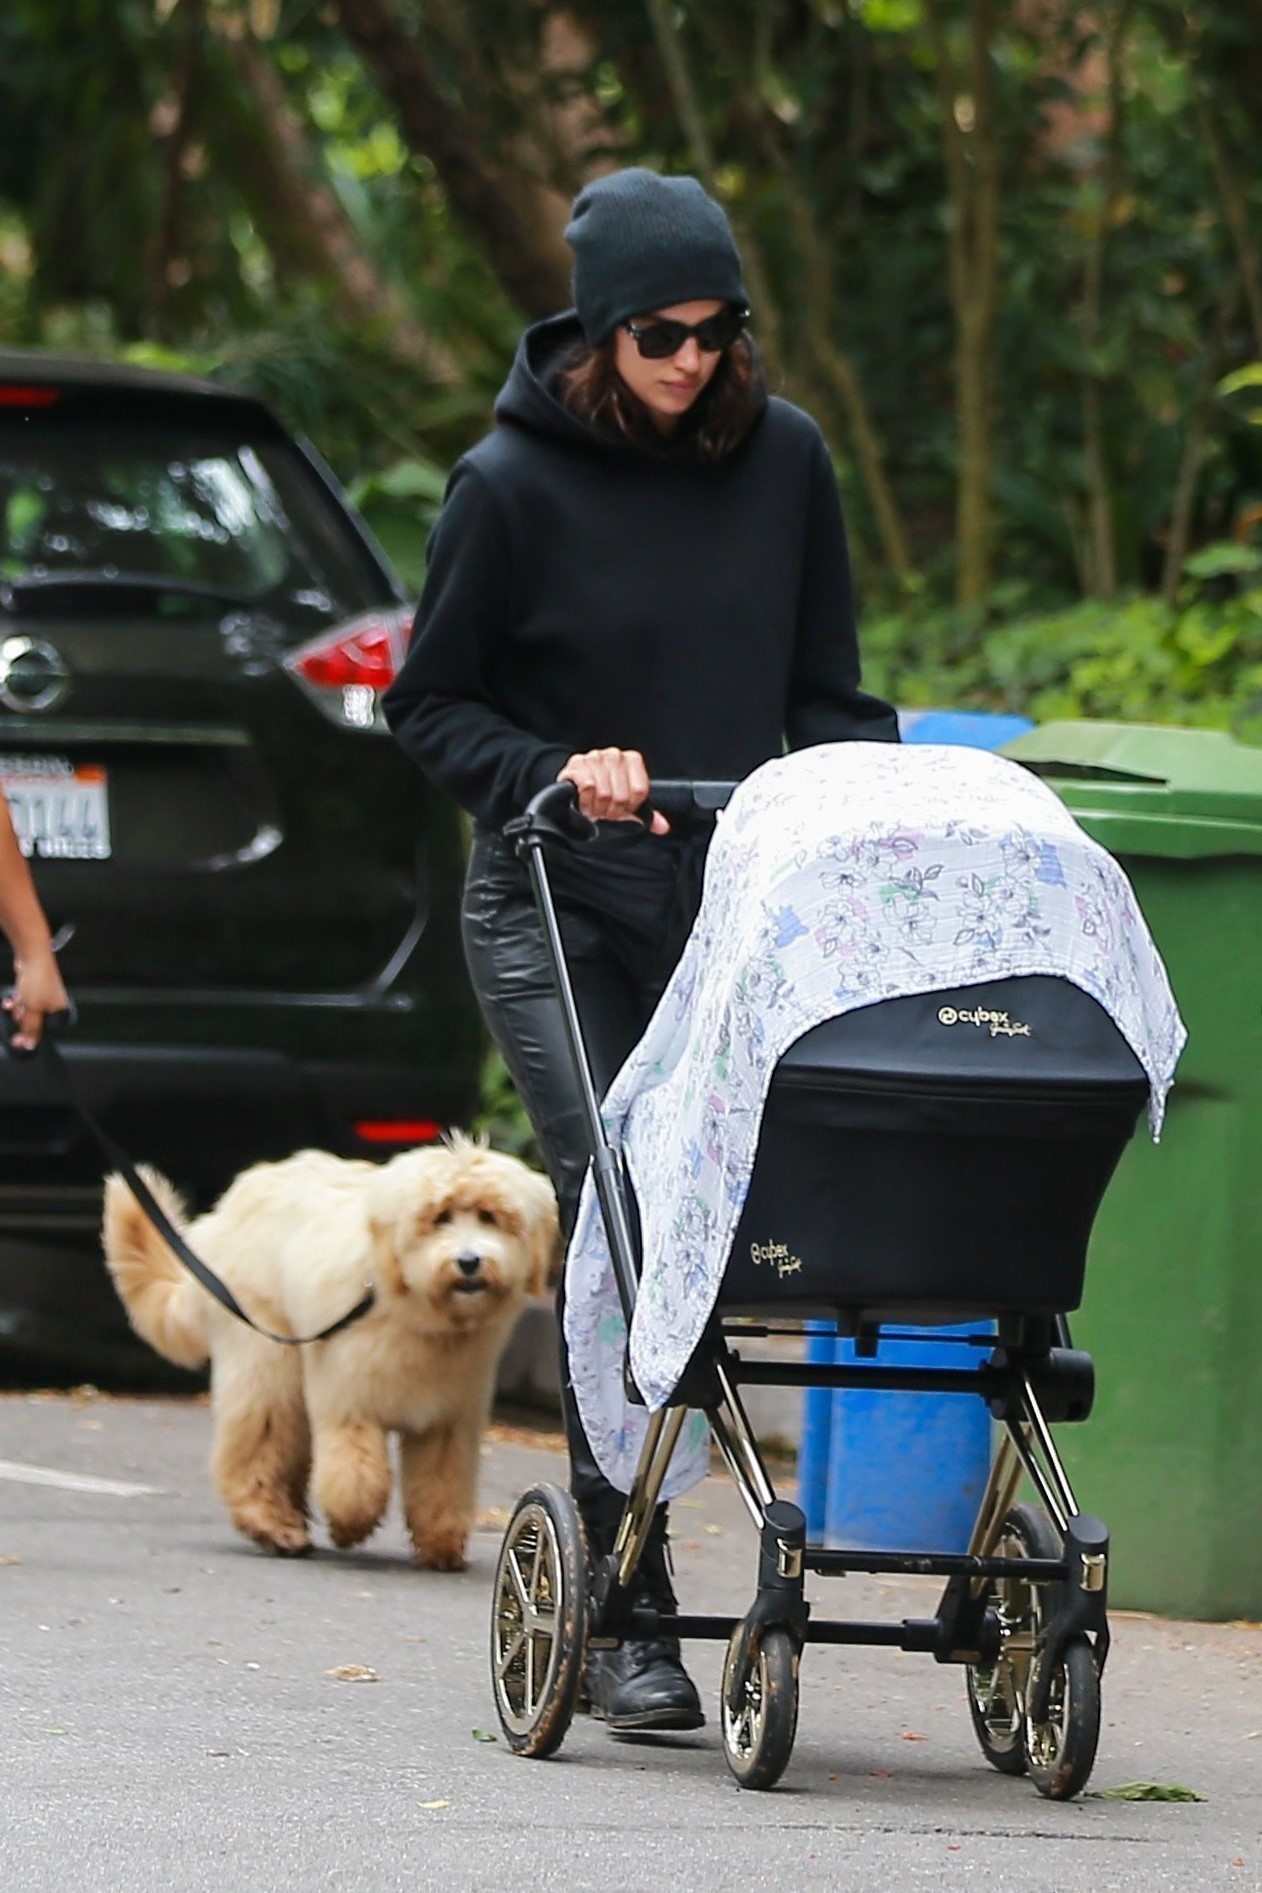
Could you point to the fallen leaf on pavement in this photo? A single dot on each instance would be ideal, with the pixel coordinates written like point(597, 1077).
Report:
point(910, 1735)
point(1145, 1791)
point(433, 1804)
point(353, 1673)
point(484, 1735)
point(10, 1557)
point(714, 1531)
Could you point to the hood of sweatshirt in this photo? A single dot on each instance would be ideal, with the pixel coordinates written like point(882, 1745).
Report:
point(527, 399)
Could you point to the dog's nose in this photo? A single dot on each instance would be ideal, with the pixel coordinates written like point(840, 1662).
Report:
point(468, 1262)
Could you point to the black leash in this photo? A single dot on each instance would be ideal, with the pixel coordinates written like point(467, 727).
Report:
point(118, 1159)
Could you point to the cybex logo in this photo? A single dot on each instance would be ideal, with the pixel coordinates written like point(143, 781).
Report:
point(998, 1024)
point(777, 1256)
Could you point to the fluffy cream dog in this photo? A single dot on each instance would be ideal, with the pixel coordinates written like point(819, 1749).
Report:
point(451, 1239)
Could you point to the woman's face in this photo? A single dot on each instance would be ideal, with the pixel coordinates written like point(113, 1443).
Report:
point(668, 388)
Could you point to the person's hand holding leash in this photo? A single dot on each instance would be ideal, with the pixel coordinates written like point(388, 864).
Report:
point(38, 988)
point(38, 993)
point(613, 785)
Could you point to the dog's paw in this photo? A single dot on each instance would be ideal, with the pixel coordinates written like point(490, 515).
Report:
point(443, 1551)
point(288, 1538)
point(293, 1544)
point(347, 1529)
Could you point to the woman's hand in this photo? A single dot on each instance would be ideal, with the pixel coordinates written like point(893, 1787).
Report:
point(612, 784)
point(38, 991)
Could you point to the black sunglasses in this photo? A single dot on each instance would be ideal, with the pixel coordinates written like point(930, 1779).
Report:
point(658, 340)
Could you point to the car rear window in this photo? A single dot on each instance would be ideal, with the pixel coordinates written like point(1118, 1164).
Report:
point(211, 512)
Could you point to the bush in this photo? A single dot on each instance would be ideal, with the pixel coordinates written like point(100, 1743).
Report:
point(501, 1117)
point(1133, 659)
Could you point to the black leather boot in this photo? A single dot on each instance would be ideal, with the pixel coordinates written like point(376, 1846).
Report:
point(643, 1684)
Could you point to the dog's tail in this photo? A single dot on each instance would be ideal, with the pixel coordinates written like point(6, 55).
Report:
point(164, 1304)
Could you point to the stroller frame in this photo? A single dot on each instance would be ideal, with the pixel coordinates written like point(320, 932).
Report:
point(1024, 1609)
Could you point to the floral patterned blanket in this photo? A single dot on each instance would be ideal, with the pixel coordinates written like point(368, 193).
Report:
point(838, 876)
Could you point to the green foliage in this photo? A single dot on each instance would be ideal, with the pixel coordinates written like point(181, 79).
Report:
point(142, 202)
point(401, 504)
point(1244, 381)
point(372, 417)
point(1132, 658)
point(1146, 1791)
point(501, 1117)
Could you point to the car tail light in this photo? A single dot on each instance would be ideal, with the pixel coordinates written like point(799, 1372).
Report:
point(20, 395)
point(345, 671)
point(398, 1130)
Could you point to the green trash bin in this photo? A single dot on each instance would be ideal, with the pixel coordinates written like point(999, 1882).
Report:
point(1172, 1454)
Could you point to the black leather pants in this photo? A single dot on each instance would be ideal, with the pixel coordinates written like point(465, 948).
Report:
point(618, 965)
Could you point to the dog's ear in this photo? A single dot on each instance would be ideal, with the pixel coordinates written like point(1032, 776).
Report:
point(388, 1276)
point(543, 1232)
point(400, 1193)
point(382, 1210)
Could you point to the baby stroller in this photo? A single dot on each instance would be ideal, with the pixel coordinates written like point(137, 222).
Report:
point(1021, 1127)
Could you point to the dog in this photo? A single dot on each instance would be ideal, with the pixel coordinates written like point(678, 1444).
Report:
point(451, 1238)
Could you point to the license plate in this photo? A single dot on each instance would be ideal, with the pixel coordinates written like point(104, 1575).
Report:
point(60, 809)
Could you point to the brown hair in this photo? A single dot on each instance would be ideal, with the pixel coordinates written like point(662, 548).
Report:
point(590, 387)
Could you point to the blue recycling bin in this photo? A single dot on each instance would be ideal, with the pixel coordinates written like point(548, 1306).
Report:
point(969, 729)
point(898, 1471)
point(815, 1444)
point(906, 1471)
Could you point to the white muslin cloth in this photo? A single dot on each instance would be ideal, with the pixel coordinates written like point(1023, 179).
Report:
point(837, 877)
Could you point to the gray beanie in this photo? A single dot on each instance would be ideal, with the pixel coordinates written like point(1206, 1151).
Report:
point(643, 242)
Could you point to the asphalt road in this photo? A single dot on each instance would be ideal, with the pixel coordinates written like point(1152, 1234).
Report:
point(169, 1721)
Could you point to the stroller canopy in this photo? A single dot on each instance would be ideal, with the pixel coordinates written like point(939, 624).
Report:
point(838, 877)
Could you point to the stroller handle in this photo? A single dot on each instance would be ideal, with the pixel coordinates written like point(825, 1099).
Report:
point(689, 804)
point(554, 814)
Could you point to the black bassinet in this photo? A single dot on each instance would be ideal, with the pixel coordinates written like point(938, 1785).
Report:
point(937, 1157)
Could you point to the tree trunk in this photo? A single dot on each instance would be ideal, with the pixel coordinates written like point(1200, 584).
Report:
point(828, 364)
point(301, 219)
point(1235, 204)
point(517, 219)
point(1195, 445)
point(687, 109)
point(972, 163)
point(1101, 565)
point(176, 136)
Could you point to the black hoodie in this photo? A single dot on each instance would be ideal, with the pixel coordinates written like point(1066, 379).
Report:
point(583, 592)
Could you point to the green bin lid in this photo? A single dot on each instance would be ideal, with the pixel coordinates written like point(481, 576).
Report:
point(1143, 789)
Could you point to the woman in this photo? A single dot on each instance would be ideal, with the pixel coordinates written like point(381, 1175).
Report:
point(641, 571)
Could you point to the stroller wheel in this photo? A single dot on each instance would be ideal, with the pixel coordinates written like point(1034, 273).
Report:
point(539, 1621)
point(758, 1734)
point(996, 1691)
point(1060, 1752)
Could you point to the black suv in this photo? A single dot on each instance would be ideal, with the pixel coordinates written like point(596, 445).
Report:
point(255, 892)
